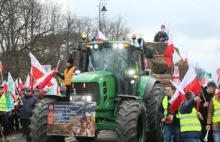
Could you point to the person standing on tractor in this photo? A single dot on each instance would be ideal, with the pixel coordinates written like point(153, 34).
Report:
point(68, 75)
point(3, 116)
point(190, 126)
point(206, 96)
point(161, 36)
point(214, 117)
point(170, 120)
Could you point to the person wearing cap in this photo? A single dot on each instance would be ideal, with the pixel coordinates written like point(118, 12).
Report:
point(190, 126)
point(27, 105)
point(161, 36)
point(3, 115)
point(213, 120)
point(206, 96)
point(37, 93)
point(68, 75)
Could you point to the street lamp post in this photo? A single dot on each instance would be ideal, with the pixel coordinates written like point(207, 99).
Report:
point(102, 4)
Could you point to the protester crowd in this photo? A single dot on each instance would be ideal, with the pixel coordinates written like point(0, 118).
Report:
point(197, 119)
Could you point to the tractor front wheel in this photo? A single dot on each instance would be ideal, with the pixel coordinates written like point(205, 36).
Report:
point(153, 103)
point(39, 123)
point(131, 121)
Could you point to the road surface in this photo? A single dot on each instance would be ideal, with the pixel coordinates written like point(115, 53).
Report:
point(106, 136)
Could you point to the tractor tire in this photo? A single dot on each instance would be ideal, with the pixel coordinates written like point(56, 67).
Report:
point(153, 104)
point(131, 121)
point(38, 125)
point(84, 139)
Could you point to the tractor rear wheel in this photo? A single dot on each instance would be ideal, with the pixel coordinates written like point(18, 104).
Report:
point(153, 104)
point(39, 123)
point(131, 121)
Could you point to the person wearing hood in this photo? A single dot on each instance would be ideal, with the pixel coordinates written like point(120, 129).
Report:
point(161, 36)
point(206, 97)
point(68, 75)
point(213, 119)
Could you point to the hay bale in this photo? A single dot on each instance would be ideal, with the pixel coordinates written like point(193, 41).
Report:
point(158, 65)
point(161, 76)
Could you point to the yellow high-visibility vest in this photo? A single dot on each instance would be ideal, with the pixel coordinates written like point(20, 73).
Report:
point(3, 103)
point(216, 114)
point(165, 107)
point(189, 122)
point(68, 75)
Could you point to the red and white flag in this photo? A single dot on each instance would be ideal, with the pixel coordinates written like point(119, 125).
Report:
point(176, 75)
point(204, 80)
point(176, 57)
point(28, 81)
point(45, 79)
point(190, 82)
point(37, 71)
point(20, 84)
point(169, 52)
point(5, 85)
point(1, 67)
point(101, 37)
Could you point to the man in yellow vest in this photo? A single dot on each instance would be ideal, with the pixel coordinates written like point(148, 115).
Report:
point(67, 76)
point(170, 120)
point(214, 117)
point(190, 126)
point(3, 115)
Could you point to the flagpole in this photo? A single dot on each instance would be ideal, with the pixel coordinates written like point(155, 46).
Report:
point(2, 77)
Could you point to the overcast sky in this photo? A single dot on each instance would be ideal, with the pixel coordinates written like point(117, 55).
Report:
point(194, 24)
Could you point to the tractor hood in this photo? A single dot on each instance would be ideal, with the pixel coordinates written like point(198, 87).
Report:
point(90, 76)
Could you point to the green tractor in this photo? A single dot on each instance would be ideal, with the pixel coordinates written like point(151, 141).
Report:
point(127, 98)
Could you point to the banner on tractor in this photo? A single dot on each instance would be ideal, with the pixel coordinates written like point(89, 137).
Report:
point(71, 119)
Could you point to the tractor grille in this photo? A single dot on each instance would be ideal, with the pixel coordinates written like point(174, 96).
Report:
point(88, 88)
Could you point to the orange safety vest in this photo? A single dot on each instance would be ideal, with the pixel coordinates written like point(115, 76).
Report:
point(68, 75)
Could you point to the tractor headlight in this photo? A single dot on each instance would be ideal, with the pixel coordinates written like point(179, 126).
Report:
point(131, 72)
point(77, 72)
point(89, 98)
point(85, 98)
point(120, 46)
point(96, 46)
point(132, 81)
point(115, 45)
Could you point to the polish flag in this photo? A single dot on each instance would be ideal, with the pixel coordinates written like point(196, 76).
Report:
point(28, 81)
point(101, 37)
point(37, 69)
point(1, 67)
point(190, 82)
point(169, 52)
point(204, 81)
point(45, 79)
point(20, 84)
point(5, 85)
point(176, 75)
point(176, 57)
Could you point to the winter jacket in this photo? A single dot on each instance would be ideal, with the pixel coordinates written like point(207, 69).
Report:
point(210, 115)
point(159, 35)
point(204, 110)
point(28, 106)
point(186, 108)
point(175, 120)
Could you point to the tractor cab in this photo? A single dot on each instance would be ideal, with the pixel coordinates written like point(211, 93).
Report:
point(121, 58)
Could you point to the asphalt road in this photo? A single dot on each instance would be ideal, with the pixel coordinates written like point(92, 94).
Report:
point(106, 136)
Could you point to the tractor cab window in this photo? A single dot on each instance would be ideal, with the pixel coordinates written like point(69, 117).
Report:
point(136, 61)
point(109, 59)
